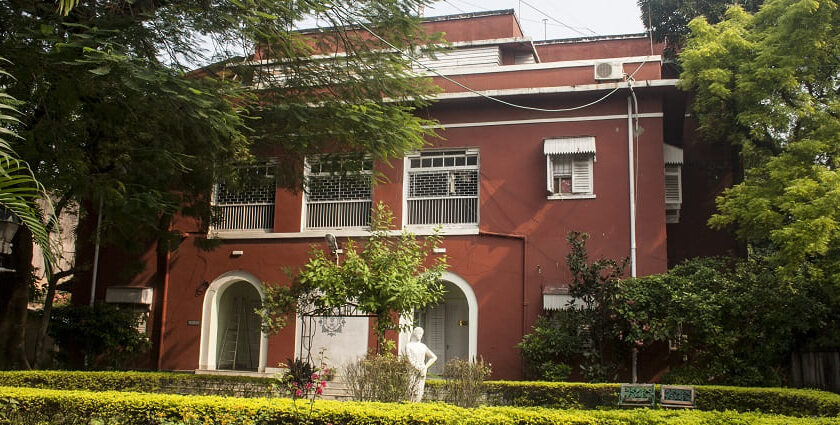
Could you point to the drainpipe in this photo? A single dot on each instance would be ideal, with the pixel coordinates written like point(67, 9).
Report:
point(632, 182)
point(524, 240)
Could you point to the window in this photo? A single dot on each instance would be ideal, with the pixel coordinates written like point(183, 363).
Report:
point(247, 204)
point(673, 183)
point(339, 192)
point(569, 167)
point(442, 188)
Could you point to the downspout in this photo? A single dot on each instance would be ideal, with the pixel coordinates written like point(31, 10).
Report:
point(631, 180)
point(524, 240)
point(631, 174)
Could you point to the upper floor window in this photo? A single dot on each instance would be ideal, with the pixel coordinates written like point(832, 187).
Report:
point(569, 167)
point(339, 192)
point(442, 187)
point(247, 204)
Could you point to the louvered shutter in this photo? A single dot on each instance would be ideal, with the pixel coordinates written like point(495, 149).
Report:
point(582, 175)
point(549, 171)
point(673, 186)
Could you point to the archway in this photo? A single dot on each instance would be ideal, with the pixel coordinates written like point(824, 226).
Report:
point(451, 327)
point(231, 338)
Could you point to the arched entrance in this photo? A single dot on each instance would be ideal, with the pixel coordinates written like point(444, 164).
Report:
point(451, 327)
point(231, 338)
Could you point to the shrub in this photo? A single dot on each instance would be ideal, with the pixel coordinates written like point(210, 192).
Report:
point(105, 335)
point(385, 378)
point(24, 405)
point(464, 383)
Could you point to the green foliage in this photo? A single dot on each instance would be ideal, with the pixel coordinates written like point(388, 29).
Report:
point(555, 395)
point(735, 320)
point(668, 19)
point(106, 335)
point(381, 377)
point(109, 112)
point(463, 383)
point(19, 189)
point(152, 382)
point(767, 84)
point(80, 407)
point(555, 342)
point(388, 274)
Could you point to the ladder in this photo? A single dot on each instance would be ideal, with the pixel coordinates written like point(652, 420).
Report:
point(229, 355)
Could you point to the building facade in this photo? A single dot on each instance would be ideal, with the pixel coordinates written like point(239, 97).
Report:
point(597, 141)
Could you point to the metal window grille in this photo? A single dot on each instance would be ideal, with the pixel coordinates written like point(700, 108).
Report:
point(443, 188)
point(339, 193)
point(246, 206)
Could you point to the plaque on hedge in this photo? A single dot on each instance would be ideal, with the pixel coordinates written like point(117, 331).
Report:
point(637, 395)
point(677, 396)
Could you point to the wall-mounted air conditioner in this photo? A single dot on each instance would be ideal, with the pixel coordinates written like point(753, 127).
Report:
point(609, 71)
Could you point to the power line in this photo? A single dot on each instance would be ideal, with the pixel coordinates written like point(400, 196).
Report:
point(557, 20)
point(456, 7)
point(504, 102)
point(520, 16)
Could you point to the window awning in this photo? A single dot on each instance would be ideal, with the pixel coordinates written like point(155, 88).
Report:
point(673, 155)
point(569, 145)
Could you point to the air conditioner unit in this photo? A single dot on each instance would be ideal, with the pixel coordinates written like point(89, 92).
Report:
point(609, 70)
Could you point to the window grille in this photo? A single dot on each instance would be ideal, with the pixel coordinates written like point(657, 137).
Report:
point(443, 188)
point(339, 193)
point(248, 205)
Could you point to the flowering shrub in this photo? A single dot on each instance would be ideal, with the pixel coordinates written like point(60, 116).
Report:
point(304, 380)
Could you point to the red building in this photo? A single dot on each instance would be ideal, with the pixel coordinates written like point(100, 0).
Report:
point(615, 159)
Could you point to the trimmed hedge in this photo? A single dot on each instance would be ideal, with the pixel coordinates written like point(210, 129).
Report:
point(147, 382)
point(563, 395)
point(569, 395)
point(26, 405)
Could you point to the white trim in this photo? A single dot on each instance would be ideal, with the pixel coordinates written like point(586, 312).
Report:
point(545, 120)
point(349, 233)
point(472, 306)
point(540, 66)
point(554, 89)
point(569, 197)
point(210, 318)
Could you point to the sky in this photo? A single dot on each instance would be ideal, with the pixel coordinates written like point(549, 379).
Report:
point(585, 17)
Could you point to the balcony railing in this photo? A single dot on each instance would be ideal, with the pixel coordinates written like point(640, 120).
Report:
point(244, 217)
point(335, 214)
point(443, 210)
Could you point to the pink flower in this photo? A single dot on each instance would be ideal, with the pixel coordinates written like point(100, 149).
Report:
point(323, 384)
point(308, 385)
point(319, 391)
point(314, 377)
point(639, 342)
point(645, 328)
point(298, 393)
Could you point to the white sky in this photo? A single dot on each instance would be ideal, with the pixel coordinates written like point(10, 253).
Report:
point(588, 17)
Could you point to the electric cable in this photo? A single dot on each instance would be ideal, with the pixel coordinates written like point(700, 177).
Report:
point(503, 102)
point(555, 19)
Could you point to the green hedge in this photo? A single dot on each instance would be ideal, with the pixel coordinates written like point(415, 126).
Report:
point(152, 382)
point(27, 405)
point(568, 395)
point(565, 395)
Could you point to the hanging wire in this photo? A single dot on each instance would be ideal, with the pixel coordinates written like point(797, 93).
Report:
point(629, 78)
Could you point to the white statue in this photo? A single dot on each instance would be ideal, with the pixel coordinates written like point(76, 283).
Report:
point(417, 354)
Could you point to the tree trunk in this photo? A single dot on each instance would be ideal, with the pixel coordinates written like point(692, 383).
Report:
point(52, 283)
point(15, 291)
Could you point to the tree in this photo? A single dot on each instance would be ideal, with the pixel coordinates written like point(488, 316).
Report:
point(20, 192)
point(767, 83)
point(388, 276)
point(112, 121)
point(668, 19)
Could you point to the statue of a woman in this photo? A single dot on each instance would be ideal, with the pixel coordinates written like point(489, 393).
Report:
point(422, 359)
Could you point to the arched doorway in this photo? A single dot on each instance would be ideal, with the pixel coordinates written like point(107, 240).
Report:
point(231, 337)
point(451, 327)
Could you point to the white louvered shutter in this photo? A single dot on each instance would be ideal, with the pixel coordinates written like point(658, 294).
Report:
point(673, 186)
point(582, 175)
point(549, 174)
